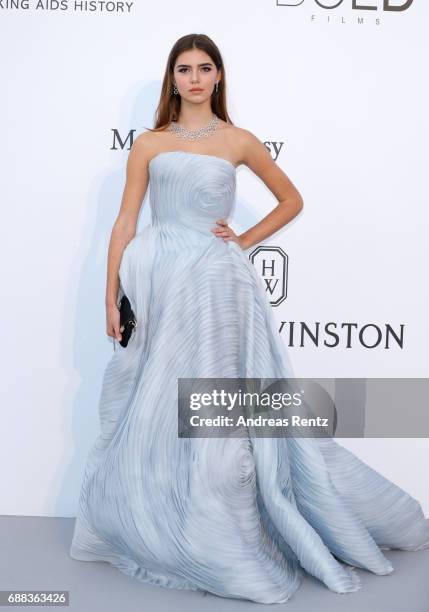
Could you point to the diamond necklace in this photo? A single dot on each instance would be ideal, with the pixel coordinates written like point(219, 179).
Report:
point(182, 132)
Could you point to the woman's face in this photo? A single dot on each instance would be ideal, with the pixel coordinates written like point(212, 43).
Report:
point(195, 69)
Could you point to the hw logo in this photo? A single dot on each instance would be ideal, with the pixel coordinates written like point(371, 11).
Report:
point(272, 265)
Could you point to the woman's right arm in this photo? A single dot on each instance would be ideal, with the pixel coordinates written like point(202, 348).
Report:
point(124, 228)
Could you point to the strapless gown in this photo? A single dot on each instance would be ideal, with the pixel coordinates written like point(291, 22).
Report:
point(237, 517)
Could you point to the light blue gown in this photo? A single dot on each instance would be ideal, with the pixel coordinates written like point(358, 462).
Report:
point(238, 517)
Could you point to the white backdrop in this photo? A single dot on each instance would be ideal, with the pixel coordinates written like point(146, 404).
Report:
point(343, 92)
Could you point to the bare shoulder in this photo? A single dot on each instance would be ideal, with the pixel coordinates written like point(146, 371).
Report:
point(237, 140)
point(256, 156)
point(146, 145)
point(246, 147)
point(229, 130)
point(252, 150)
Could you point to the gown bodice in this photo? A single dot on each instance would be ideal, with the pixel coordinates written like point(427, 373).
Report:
point(190, 190)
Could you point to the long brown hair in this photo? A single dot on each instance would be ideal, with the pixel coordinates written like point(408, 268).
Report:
point(169, 104)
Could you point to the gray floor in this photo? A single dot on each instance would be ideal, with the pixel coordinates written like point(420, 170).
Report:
point(34, 556)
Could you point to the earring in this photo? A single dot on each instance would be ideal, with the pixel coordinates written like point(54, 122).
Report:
point(217, 86)
point(175, 90)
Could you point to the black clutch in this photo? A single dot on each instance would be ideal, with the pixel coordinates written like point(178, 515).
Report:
point(128, 321)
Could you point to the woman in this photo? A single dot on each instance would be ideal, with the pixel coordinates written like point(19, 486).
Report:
point(239, 517)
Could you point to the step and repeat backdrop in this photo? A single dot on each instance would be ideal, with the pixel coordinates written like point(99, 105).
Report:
point(337, 92)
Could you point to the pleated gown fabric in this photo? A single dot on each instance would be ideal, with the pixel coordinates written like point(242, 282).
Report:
point(237, 517)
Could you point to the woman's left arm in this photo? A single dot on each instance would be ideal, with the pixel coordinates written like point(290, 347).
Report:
point(256, 156)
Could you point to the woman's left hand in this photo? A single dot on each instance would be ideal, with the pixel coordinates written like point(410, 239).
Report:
point(225, 232)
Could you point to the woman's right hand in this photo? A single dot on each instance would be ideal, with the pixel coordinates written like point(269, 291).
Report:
point(113, 322)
